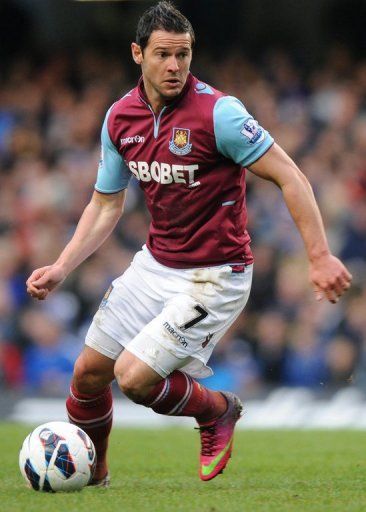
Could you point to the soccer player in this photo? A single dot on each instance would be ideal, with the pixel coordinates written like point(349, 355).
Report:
point(189, 146)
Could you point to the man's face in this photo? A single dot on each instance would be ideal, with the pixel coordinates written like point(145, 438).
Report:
point(165, 63)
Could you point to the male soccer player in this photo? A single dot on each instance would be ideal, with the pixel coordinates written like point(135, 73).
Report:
point(188, 145)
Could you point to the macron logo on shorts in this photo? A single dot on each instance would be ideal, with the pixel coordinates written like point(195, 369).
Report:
point(176, 335)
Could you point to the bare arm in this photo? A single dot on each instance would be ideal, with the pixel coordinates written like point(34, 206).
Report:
point(329, 276)
point(95, 225)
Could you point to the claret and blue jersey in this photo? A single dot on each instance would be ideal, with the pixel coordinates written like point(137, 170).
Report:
point(190, 162)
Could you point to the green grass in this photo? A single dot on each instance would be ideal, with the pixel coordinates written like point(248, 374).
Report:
point(156, 471)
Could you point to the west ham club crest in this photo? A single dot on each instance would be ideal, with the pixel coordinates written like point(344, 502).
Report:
point(179, 143)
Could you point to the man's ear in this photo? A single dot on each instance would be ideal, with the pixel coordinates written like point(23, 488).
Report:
point(137, 53)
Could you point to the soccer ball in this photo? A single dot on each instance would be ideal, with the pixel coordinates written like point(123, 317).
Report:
point(57, 456)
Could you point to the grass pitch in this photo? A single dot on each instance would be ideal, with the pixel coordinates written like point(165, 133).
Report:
point(156, 471)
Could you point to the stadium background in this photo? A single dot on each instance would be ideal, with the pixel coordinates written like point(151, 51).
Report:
point(299, 67)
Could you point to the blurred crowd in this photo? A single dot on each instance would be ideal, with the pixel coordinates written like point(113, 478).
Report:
point(51, 113)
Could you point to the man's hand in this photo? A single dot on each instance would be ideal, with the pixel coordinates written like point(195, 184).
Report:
point(43, 280)
point(329, 277)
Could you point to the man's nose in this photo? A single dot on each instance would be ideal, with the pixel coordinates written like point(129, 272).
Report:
point(173, 64)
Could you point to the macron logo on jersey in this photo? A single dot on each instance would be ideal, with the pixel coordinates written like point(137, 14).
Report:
point(165, 173)
point(138, 139)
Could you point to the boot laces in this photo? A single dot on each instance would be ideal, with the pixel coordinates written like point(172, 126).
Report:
point(208, 439)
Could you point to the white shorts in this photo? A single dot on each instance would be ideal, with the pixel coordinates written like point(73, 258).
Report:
point(169, 318)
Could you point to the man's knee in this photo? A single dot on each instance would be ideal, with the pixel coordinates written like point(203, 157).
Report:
point(133, 383)
point(135, 378)
point(132, 386)
point(89, 378)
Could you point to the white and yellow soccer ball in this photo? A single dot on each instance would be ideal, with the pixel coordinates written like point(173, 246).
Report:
point(57, 456)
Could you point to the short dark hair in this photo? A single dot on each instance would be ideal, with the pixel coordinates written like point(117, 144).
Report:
point(162, 16)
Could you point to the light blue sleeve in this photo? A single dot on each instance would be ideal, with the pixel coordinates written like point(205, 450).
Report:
point(239, 136)
point(113, 173)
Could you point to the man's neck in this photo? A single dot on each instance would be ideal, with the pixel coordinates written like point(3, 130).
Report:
point(155, 100)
